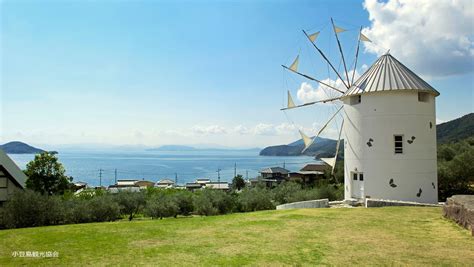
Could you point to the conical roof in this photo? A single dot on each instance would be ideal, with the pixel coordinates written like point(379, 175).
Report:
point(387, 73)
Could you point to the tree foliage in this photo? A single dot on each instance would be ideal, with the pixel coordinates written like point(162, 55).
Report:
point(238, 182)
point(456, 168)
point(46, 175)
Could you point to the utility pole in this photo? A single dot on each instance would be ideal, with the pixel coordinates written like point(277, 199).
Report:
point(219, 175)
point(247, 175)
point(235, 169)
point(115, 176)
point(176, 179)
point(100, 177)
point(283, 164)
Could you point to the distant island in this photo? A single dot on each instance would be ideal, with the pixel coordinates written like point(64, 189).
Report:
point(190, 148)
point(450, 131)
point(172, 148)
point(17, 147)
point(321, 148)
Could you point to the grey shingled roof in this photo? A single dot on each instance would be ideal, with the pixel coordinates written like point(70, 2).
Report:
point(275, 170)
point(387, 73)
point(9, 165)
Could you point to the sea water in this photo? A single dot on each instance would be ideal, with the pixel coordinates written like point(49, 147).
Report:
point(88, 166)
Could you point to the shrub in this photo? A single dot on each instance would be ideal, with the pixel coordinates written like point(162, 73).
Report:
point(103, 208)
point(286, 192)
point(130, 203)
point(28, 208)
point(161, 205)
point(184, 200)
point(256, 199)
point(203, 204)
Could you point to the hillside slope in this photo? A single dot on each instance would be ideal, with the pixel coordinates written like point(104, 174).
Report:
point(456, 129)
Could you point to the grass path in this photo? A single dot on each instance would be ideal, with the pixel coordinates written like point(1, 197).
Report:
point(377, 236)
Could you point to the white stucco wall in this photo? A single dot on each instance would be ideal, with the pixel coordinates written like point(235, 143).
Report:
point(380, 116)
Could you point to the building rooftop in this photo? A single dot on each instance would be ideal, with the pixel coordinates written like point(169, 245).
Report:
point(275, 170)
point(7, 164)
point(388, 74)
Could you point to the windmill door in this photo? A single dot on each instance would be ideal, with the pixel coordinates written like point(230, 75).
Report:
point(357, 185)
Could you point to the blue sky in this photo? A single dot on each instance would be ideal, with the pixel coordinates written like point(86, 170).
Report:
point(188, 72)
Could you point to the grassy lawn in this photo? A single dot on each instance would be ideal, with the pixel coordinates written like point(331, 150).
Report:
point(377, 236)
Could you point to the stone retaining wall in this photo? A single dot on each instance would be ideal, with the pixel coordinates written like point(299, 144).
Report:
point(310, 204)
point(460, 208)
point(372, 203)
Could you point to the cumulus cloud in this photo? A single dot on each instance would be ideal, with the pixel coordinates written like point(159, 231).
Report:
point(435, 38)
point(212, 129)
point(264, 129)
point(241, 129)
point(307, 93)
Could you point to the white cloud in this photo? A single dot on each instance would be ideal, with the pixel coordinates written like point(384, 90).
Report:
point(240, 129)
point(264, 129)
point(307, 93)
point(435, 38)
point(205, 130)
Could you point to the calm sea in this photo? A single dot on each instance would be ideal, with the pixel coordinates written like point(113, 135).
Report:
point(157, 165)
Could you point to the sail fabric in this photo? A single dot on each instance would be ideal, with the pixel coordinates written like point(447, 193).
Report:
point(330, 161)
point(306, 140)
point(294, 65)
point(338, 29)
point(313, 36)
point(364, 38)
point(291, 104)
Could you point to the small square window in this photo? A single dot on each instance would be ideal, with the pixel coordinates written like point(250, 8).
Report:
point(354, 176)
point(355, 99)
point(361, 177)
point(423, 97)
point(398, 142)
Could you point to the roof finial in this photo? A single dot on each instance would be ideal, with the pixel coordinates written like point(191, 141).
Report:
point(388, 52)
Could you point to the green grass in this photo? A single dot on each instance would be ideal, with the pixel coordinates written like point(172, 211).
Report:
point(376, 236)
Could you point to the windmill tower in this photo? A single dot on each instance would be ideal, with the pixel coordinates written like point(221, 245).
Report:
point(388, 128)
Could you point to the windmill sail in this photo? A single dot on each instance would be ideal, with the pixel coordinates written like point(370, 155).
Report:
point(338, 29)
point(291, 104)
point(364, 38)
point(306, 140)
point(313, 36)
point(337, 147)
point(294, 65)
point(330, 161)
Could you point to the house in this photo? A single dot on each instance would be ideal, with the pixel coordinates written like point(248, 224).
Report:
point(79, 185)
point(309, 173)
point(202, 181)
point(143, 184)
point(218, 185)
point(12, 178)
point(274, 174)
point(194, 186)
point(165, 183)
point(125, 185)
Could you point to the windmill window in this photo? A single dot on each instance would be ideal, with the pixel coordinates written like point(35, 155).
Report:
point(354, 176)
point(356, 99)
point(398, 141)
point(361, 177)
point(423, 97)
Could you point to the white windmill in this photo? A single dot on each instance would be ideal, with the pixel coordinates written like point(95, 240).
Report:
point(388, 128)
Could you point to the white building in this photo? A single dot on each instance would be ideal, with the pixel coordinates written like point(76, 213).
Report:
point(390, 135)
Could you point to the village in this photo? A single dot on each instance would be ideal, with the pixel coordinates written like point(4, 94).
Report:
point(270, 177)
